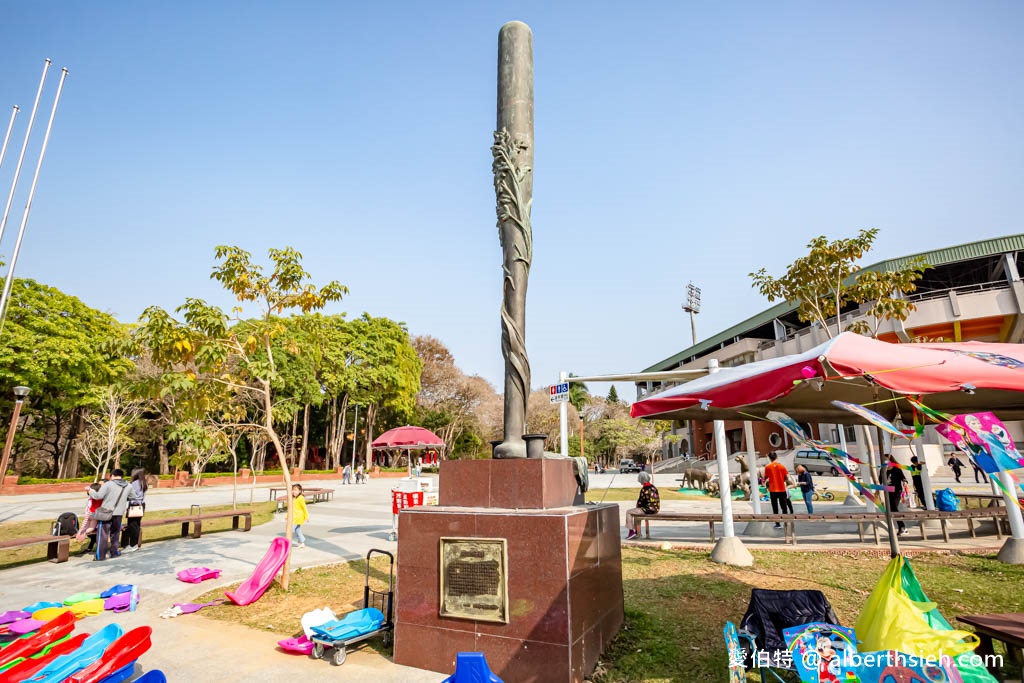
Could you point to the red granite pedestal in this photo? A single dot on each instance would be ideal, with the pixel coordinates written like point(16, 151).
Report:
point(564, 574)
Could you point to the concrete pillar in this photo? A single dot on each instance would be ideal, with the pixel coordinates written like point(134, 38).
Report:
point(926, 479)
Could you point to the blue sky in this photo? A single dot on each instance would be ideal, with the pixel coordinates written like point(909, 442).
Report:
point(674, 142)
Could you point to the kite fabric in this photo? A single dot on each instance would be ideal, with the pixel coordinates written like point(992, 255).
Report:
point(871, 416)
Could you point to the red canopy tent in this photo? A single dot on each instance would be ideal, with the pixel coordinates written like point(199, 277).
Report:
point(408, 438)
point(952, 378)
point(957, 378)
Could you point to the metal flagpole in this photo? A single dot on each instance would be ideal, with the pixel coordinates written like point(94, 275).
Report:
point(7, 137)
point(28, 203)
point(24, 146)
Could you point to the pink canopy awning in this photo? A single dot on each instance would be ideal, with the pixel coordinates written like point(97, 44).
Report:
point(408, 438)
point(961, 377)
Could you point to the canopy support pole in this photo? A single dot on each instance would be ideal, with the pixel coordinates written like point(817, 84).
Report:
point(851, 492)
point(729, 549)
point(1012, 551)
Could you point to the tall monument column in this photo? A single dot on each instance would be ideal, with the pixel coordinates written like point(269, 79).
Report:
point(513, 188)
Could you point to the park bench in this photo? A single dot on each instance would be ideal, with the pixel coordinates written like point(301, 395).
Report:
point(311, 496)
point(872, 519)
point(192, 525)
point(58, 548)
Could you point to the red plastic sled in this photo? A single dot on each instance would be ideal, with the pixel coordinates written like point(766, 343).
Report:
point(118, 655)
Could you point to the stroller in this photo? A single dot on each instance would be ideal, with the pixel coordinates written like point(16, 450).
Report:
point(769, 613)
point(376, 618)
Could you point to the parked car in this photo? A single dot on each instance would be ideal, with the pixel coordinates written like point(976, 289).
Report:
point(818, 462)
point(626, 465)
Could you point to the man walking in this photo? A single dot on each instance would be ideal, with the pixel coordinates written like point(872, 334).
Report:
point(114, 496)
point(776, 474)
point(898, 481)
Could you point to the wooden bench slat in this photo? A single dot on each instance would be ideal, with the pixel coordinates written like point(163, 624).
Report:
point(58, 548)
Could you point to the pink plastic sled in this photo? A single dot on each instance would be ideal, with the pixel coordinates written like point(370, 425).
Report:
point(198, 574)
point(301, 645)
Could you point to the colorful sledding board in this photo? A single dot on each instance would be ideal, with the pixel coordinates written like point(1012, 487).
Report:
point(90, 651)
point(471, 667)
point(737, 674)
point(119, 658)
point(26, 667)
point(198, 574)
point(301, 645)
point(49, 632)
point(353, 624)
point(256, 585)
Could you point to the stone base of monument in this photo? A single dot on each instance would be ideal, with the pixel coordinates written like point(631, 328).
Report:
point(538, 591)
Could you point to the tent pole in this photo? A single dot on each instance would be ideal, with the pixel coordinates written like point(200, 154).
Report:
point(729, 549)
point(894, 542)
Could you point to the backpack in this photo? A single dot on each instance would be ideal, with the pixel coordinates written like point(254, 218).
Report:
point(947, 501)
point(66, 525)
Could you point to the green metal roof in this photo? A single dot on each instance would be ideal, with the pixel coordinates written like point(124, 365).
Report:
point(938, 257)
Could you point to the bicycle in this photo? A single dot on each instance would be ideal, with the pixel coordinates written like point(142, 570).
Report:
point(822, 494)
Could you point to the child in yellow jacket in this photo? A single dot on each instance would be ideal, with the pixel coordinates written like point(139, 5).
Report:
point(300, 515)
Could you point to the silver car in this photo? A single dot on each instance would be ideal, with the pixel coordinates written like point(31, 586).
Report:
point(819, 462)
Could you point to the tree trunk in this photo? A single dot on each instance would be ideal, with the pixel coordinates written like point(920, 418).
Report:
point(291, 446)
point(305, 439)
point(268, 425)
point(371, 417)
point(341, 418)
point(165, 465)
point(332, 409)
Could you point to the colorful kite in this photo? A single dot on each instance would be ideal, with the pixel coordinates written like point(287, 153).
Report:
point(871, 416)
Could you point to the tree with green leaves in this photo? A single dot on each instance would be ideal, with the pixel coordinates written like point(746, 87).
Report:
point(64, 351)
point(613, 395)
point(239, 353)
point(826, 280)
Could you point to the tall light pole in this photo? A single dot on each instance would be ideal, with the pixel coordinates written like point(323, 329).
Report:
point(20, 393)
point(692, 306)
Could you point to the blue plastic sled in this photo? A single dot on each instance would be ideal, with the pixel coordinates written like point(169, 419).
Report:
point(155, 676)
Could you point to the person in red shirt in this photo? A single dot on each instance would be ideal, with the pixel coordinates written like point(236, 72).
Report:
point(776, 474)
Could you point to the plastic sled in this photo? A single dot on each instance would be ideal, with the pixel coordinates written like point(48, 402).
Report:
point(20, 628)
point(80, 597)
point(90, 651)
point(49, 613)
point(118, 589)
point(155, 676)
point(360, 625)
point(198, 574)
point(14, 615)
point(26, 667)
point(471, 667)
point(123, 602)
point(118, 658)
point(119, 675)
point(48, 633)
point(87, 608)
point(353, 624)
point(36, 606)
point(301, 645)
point(256, 585)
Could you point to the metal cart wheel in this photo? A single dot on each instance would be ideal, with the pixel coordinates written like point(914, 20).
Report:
point(392, 536)
point(388, 639)
point(318, 651)
point(338, 658)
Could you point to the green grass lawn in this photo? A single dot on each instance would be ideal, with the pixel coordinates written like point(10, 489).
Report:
point(677, 601)
point(261, 513)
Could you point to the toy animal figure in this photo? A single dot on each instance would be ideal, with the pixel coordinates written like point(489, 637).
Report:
point(743, 480)
point(696, 477)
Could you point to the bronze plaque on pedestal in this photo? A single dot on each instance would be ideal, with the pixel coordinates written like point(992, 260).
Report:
point(474, 579)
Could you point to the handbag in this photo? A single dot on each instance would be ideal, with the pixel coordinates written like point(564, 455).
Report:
point(105, 514)
point(136, 510)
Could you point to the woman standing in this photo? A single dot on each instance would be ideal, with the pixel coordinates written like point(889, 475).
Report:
point(136, 509)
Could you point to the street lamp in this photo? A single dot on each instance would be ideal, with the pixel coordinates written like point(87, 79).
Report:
point(20, 393)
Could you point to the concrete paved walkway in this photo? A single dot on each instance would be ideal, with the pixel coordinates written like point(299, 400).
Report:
point(193, 648)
